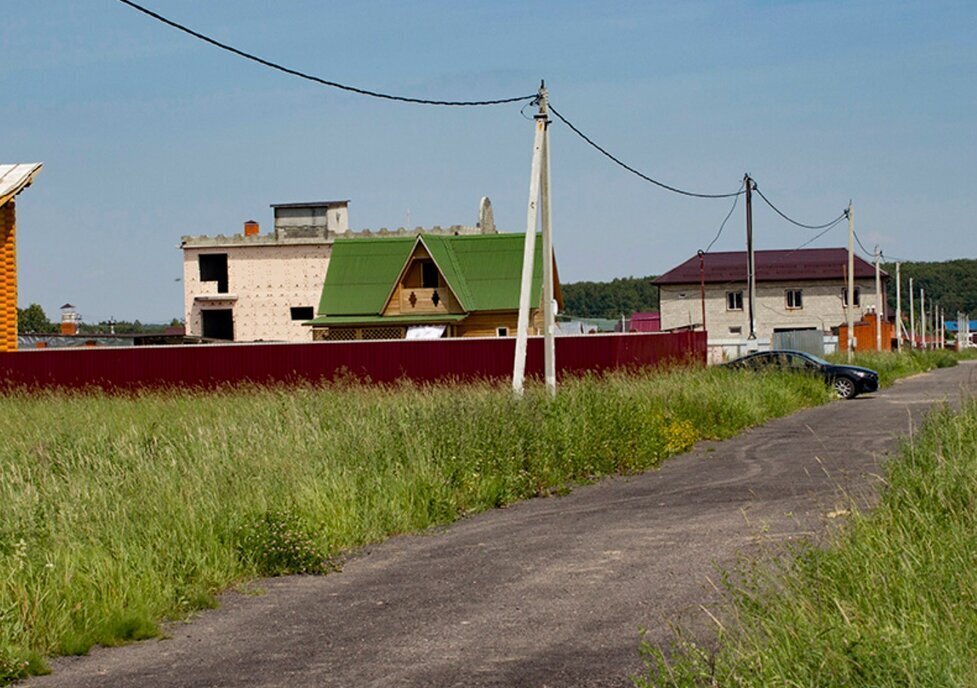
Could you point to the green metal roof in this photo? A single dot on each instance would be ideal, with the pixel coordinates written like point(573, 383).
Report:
point(384, 319)
point(361, 273)
point(483, 271)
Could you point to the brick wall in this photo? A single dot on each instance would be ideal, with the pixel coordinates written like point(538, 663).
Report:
point(8, 278)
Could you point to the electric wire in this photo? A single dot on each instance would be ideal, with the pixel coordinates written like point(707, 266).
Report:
point(725, 220)
point(868, 253)
point(795, 222)
point(313, 78)
point(630, 169)
point(892, 259)
point(818, 235)
point(810, 241)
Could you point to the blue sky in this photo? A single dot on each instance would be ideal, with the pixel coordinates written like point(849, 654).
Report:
point(147, 134)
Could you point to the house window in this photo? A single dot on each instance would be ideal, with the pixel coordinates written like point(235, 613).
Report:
point(302, 313)
point(218, 323)
point(734, 300)
point(213, 268)
point(858, 296)
point(429, 275)
point(794, 299)
point(737, 329)
point(502, 332)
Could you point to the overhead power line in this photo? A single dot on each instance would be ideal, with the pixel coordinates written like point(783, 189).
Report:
point(818, 235)
point(630, 169)
point(725, 220)
point(867, 253)
point(313, 78)
point(777, 210)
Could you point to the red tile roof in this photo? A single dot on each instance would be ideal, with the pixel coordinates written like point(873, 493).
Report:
point(771, 266)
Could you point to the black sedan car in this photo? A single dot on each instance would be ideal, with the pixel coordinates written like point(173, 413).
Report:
point(848, 381)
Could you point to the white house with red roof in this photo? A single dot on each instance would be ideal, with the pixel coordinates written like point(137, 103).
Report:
point(801, 289)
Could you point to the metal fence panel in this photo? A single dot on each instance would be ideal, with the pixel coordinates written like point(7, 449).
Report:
point(211, 366)
point(811, 341)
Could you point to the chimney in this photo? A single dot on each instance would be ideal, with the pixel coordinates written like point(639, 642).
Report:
point(251, 228)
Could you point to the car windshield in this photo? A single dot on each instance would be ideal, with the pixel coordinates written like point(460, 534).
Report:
point(816, 359)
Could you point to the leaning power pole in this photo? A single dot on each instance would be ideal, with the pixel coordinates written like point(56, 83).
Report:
point(879, 307)
point(538, 177)
point(750, 257)
point(851, 282)
point(899, 328)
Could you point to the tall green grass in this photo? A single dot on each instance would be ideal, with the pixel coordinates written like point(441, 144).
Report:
point(892, 366)
point(891, 601)
point(118, 512)
point(121, 511)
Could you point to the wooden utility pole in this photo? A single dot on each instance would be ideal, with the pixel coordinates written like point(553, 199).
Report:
point(851, 282)
point(750, 257)
point(879, 306)
point(538, 176)
point(912, 315)
point(899, 327)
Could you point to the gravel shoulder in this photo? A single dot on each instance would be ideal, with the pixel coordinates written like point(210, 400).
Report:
point(549, 592)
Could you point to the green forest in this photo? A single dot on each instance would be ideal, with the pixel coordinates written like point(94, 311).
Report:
point(952, 284)
point(622, 296)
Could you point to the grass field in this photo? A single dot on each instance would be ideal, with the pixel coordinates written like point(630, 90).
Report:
point(890, 601)
point(123, 511)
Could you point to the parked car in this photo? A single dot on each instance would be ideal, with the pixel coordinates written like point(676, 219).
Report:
point(848, 381)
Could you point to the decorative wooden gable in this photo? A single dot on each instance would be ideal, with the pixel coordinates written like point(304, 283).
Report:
point(421, 288)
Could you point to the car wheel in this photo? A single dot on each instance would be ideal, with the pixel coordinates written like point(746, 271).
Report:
point(844, 387)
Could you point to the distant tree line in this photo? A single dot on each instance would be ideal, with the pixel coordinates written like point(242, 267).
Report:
point(624, 295)
point(33, 320)
point(952, 284)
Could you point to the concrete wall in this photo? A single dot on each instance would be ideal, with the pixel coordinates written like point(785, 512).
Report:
point(822, 307)
point(264, 283)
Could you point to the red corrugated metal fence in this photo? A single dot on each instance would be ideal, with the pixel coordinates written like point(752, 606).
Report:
point(379, 361)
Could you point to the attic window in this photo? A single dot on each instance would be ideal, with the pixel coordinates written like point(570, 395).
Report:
point(302, 313)
point(429, 275)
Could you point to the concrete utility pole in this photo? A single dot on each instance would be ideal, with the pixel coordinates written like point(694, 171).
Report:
point(879, 306)
point(750, 257)
point(549, 311)
point(538, 176)
point(939, 324)
point(702, 286)
point(912, 315)
point(899, 328)
point(851, 282)
point(922, 317)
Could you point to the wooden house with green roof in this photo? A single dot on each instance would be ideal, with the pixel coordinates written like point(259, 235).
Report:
point(427, 285)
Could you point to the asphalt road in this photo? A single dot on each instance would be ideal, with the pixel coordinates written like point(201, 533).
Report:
point(549, 592)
